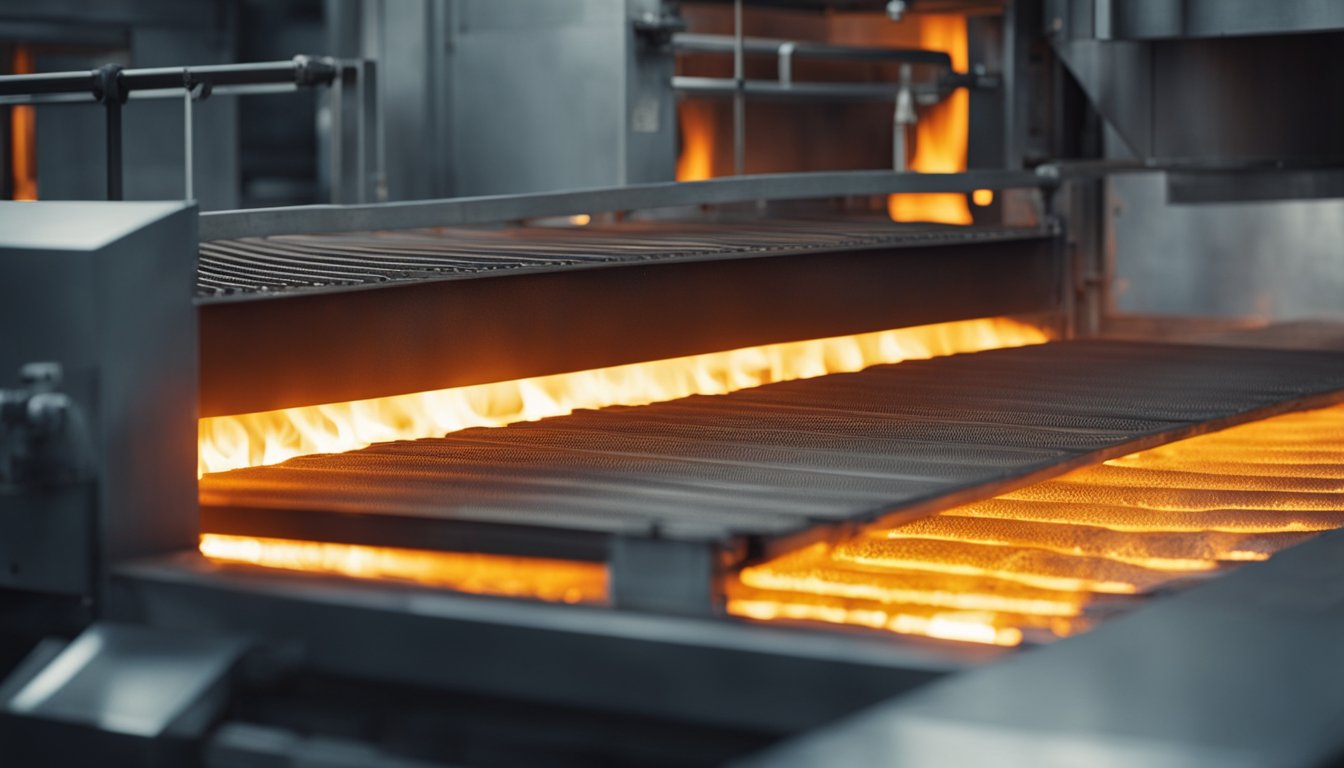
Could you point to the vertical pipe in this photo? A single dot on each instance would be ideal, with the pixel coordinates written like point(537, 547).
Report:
point(113, 106)
point(902, 118)
point(336, 139)
point(897, 139)
point(739, 104)
point(107, 89)
point(361, 134)
point(186, 144)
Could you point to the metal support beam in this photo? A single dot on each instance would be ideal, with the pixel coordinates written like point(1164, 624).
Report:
point(657, 575)
point(310, 219)
point(727, 673)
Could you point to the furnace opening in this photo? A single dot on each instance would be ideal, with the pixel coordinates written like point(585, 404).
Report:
point(255, 439)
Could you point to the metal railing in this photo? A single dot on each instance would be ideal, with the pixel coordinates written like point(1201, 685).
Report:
point(904, 93)
point(351, 93)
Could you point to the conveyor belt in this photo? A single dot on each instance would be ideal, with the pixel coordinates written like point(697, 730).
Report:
point(290, 263)
point(417, 310)
point(765, 469)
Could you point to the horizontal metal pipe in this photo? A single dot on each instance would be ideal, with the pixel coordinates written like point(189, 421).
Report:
point(301, 70)
point(49, 82)
point(725, 86)
point(758, 46)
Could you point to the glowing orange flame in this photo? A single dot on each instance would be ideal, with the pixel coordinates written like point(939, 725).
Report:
point(552, 580)
point(966, 626)
point(696, 161)
point(230, 442)
point(23, 135)
point(942, 131)
point(1037, 559)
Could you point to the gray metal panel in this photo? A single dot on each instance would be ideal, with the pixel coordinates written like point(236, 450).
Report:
point(542, 97)
point(47, 540)
point(1136, 19)
point(408, 39)
point(1117, 78)
point(1243, 671)
point(1222, 100)
point(1252, 186)
point(649, 117)
point(127, 679)
point(108, 297)
point(1276, 261)
point(1277, 99)
point(157, 12)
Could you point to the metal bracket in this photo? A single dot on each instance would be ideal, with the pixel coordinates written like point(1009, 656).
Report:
point(44, 440)
point(109, 91)
point(664, 575)
point(656, 30)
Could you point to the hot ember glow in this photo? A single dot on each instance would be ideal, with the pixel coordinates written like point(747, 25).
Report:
point(528, 577)
point(942, 132)
point(23, 135)
point(1046, 561)
point(696, 161)
point(231, 442)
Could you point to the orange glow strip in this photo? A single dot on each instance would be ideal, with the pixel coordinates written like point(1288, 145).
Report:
point(970, 627)
point(23, 135)
point(1164, 550)
point(542, 579)
point(812, 570)
point(1130, 525)
point(231, 442)
point(696, 161)
point(1024, 565)
point(943, 130)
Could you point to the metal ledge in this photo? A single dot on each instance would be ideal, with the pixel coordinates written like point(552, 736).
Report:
point(730, 673)
point(1213, 186)
point(312, 219)
point(690, 42)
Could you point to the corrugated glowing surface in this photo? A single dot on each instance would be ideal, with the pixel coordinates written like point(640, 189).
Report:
point(565, 581)
point(1049, 560)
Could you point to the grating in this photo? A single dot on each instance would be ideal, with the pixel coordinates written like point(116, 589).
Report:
point(286, 263)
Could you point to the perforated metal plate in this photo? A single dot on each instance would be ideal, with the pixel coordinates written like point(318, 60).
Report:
point(768, 468)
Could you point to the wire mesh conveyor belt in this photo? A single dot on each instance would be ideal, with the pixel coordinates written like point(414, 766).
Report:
point(294, 262)
point(769, 468)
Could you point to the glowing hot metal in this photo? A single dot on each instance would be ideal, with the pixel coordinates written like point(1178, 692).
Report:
point(1039, 560)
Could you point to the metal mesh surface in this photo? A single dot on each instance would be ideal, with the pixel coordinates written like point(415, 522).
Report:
point(294, 262)
point(772, 463)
